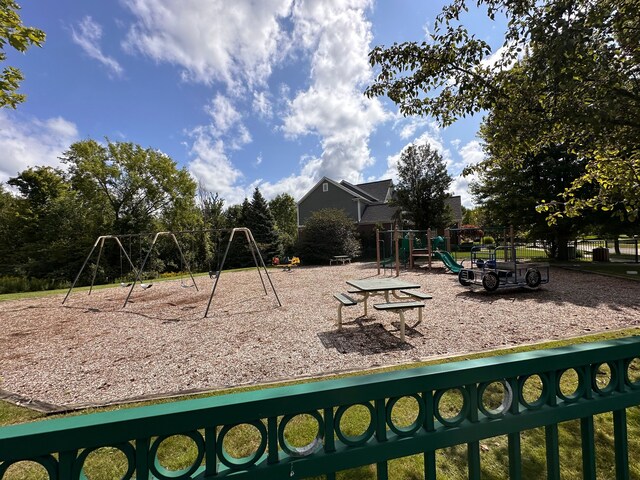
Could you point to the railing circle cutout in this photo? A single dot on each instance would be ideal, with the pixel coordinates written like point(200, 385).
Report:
point(523, 391)
point(415, 425)
point(358, 439)
point(580, 385)
point(632, 372)
point(505, 402)
point(126, 449)
point(599, 374)
point(237, 463)
point(163, 473)
point(311, 447)
point(462, 412)
point(47, 462)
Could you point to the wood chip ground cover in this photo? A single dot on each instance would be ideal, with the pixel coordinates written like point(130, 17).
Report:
point(91, 351)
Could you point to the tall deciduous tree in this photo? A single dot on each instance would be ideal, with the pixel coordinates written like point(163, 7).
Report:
point(422, 187)
point(580, 61)
point(139, 189)
point(20, 37)
point(49, 232)
point(511, 189)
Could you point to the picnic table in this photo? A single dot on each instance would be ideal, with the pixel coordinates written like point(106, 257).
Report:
point(370, 287)
point(340, 258)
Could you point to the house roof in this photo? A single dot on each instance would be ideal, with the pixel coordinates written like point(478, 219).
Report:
point(377, 190)
point(378, 213)
point(333, 182)
point(358, 191)
point(372, 192)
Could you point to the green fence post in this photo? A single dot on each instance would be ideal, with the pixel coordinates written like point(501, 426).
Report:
point(429, 455)
point(588, 449)
point(142, 458)
point(66, 461)
point(272, 440)
point(211, 461)
point(620, 444)
point(553, 452)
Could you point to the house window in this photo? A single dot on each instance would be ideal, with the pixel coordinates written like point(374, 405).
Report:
point(325, 187)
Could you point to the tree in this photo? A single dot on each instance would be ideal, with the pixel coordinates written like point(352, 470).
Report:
point(263, 227)
point(49, 232)
point(137, 189)
point(510, 190)
point(283, 208)
point(326, 233)
point(422, 187)
point(580, 61)
point(20, 37)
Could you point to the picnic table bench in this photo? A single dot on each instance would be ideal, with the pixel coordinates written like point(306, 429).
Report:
point(340, 258)
point(345, 301)
point(400, 308)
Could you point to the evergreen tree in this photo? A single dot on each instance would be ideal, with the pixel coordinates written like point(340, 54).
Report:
point(263, 226)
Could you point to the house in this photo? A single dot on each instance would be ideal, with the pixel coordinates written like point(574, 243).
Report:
point(366, 203)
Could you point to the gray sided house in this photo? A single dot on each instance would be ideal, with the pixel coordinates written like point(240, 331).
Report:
point(366, 203)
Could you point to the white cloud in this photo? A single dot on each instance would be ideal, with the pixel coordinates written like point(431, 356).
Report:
point(212, 167)
point(30, 143)
point(262, 105)
point(223, 114)
point(333, 107)
point(238, 45)
point(432, 136)
point(234, 43)
point(471, 154)
point(88, 37)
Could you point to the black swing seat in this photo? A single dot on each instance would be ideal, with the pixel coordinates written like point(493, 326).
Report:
point(144, 286)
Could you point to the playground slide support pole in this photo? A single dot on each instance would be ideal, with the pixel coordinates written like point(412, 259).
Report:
point(447, 240)
point(378, 249)
point(429, 247)
point(396, 234)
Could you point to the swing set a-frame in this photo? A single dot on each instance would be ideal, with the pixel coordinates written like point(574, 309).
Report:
point(253, 248)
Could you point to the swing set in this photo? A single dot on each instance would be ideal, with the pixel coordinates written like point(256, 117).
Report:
point(138, 272)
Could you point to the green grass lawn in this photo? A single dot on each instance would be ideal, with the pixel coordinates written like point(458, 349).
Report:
point(179, 452)
point(619, 270)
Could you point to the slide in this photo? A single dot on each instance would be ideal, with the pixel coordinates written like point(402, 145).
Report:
point(448, 261)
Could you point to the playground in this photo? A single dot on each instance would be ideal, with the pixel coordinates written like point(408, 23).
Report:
point(94, 351)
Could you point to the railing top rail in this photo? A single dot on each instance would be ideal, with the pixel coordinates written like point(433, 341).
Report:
point(165, 419)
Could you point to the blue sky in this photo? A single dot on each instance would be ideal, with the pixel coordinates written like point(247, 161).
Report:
point(242, 93)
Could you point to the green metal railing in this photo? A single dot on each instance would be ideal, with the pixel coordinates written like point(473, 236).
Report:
point(61, 446)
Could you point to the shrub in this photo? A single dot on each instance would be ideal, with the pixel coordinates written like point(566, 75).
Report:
point(488, 240)
point(327, 233)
